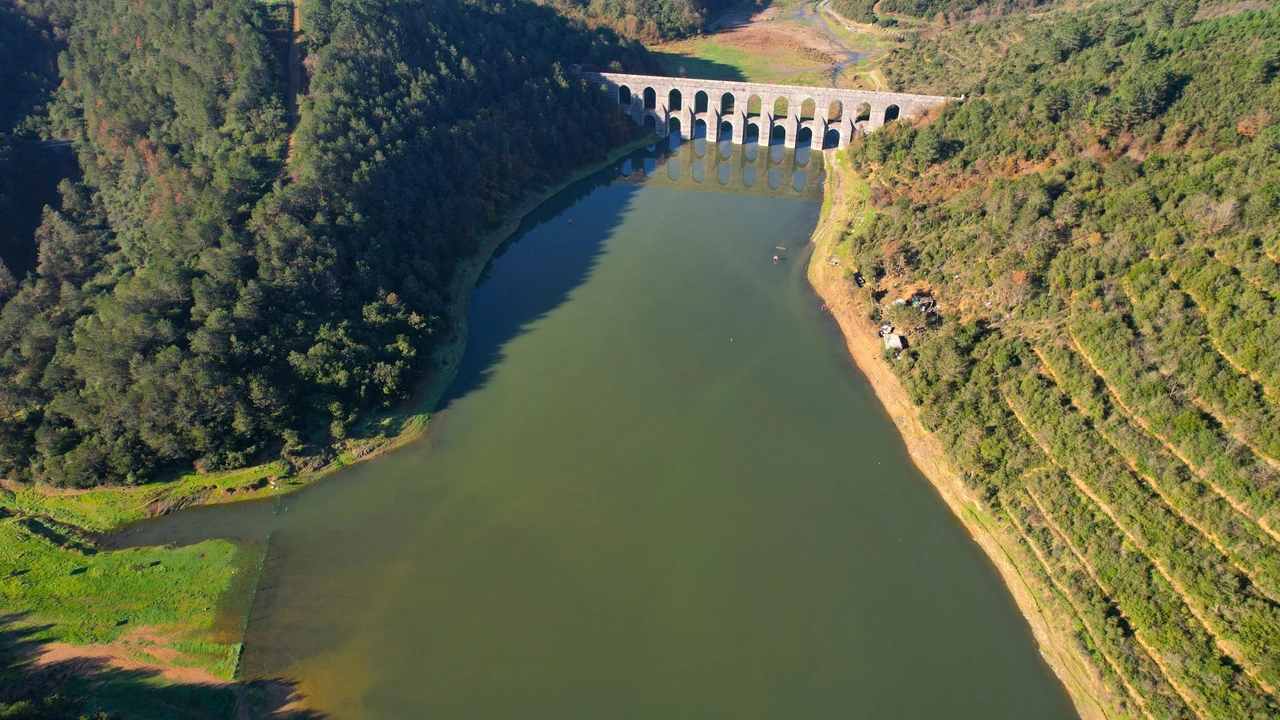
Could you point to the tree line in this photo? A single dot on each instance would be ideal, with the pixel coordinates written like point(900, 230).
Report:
point(1098, 222)
point(221, 287)
point(649, 20)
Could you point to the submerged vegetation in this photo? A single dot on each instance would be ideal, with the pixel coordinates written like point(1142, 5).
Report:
point(1098, 223)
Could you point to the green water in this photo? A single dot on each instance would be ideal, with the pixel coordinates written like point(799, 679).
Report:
point(658, 489)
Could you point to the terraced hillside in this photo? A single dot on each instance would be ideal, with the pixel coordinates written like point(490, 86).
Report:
point(1098, 225)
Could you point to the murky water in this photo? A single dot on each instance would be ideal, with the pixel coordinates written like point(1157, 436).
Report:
point(658, 489)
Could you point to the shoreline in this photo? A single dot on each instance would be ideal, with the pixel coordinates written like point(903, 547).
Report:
point(927, 452)
point(106, 510)
point(862, 343)
point(257, 482)
point(413, 421)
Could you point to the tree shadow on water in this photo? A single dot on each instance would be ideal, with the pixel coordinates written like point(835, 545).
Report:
point(92, 688)
point(533, 273)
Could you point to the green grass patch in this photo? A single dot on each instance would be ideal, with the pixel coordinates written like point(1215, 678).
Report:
point(66, 590)
point(105, 509)
point(814, 78)
point(707, 59)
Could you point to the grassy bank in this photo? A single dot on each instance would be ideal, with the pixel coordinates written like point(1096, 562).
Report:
point(845, 209)
point(159, 605)
point(104, 509)
point(172, 608)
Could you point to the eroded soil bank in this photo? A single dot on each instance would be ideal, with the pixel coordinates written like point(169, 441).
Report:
point(834, 284)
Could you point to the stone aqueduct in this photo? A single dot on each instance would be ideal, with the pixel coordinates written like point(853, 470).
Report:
point(828, 117)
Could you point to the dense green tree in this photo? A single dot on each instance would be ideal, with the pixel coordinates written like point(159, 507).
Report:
point(647, 19)
point(1101, 213)
point(221, 285)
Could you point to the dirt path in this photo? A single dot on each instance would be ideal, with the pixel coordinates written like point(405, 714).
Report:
point(786, 44)
point(1230, 424)
point(1226, 646)
point(1200, 472)
point(1213, 539)
point(825, 5)
point(1198, 303)
point(1058, 532)
point(1156, 486)
point(1082, 617)
point(124, 657)
point(733, 18)
point(1213, 340)
point(252, 700)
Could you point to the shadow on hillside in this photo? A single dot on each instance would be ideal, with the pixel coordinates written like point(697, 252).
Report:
point(90, 687)
point(32, 176)
point(678, 64)
point(726, 19)
point(547, 271)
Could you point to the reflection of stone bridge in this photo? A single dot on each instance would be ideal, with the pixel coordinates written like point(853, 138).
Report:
point(741, 111)
point(739, 169)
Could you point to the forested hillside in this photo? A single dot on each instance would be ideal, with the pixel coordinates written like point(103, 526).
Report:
point(647, 19)
point(1099, 224)
point(938, 12)
point(222, 287)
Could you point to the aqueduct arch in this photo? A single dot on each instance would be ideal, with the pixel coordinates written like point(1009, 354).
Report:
point(830, 115)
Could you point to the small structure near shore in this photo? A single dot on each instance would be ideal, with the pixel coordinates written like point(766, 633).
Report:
point(923, 301)
point(892, 340)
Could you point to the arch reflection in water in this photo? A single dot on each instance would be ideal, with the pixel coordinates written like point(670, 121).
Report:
point(726, 149)
point(802, 155)
point(626, 168)
point(739, 171)
point(776, 153)
point(800, 180)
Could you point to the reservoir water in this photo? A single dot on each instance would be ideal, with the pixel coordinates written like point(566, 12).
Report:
point(658, 488)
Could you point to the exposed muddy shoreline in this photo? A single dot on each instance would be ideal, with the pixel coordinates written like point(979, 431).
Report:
point(866, 351)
